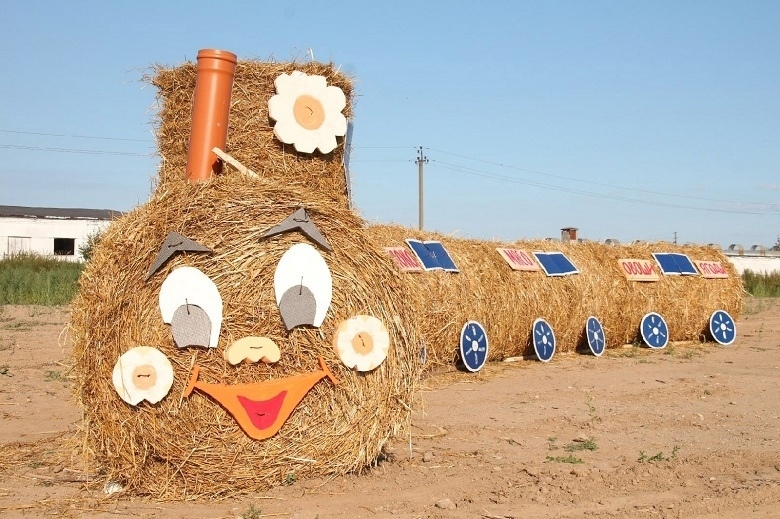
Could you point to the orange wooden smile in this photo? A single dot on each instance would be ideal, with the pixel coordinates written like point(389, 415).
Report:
point(261, 408)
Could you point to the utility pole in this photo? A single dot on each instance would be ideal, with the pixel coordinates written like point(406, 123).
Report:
point(421, 159)
point(675, 237)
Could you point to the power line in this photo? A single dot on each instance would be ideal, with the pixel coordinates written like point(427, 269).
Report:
point(444, 165)
point(388, 160)
point(73, 150)
point(384, 147)
point(504, 178)
point(76, 136)
point(602, 184)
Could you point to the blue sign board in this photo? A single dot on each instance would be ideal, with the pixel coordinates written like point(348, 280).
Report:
point(675, 263)
point(473, 346)
point(595, 334)
point(432, 255)
point(555, 263)
point(654, 331)
point(722, 327)
point(544, 340)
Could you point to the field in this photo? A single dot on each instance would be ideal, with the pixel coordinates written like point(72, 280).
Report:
point(692, 431)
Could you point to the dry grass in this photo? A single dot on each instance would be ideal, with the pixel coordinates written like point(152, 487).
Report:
point(191, 447)
point(250, 133)
point(507, 302)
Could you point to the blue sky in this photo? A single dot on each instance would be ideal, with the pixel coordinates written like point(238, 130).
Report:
point(626, 119)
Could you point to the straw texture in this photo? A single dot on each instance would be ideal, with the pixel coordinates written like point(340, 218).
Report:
point(191, 446)
point(250, 131)
point(507, 302)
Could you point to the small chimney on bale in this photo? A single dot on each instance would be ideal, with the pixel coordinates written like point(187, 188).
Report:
point(210, 112)
point(569, 234)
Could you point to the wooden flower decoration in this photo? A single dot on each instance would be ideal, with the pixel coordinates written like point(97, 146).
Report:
point(362, 342)
point(307, 112)
point(142, 373)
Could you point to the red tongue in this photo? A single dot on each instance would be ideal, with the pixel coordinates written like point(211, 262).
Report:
point(263, 413)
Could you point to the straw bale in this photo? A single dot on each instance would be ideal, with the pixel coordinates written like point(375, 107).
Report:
point(190, 447)
point(250, 131)
point(185, 447)
point(507, 302)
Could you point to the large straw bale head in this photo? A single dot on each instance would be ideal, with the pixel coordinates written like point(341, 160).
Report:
point(507, 302)
point(190, 446)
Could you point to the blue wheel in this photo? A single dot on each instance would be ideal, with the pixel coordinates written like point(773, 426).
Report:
point(654, 331)
point(722, 327)
point(543, 339)
point(595, 334)
point(473, 346)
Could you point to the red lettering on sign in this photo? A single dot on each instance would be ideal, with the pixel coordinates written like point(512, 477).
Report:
point(403, 258)
point(406, 259)
point(712, 268)
point(519, 257)
point(639, 269)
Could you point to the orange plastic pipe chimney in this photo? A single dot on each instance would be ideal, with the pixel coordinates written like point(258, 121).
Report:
point(210, 111)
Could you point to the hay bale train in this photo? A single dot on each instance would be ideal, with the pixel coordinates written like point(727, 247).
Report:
point(245, 327)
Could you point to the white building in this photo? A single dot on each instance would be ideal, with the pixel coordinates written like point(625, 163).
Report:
point(768, 264)
point(50, 231)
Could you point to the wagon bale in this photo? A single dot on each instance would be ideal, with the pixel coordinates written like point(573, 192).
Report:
point(507, 302)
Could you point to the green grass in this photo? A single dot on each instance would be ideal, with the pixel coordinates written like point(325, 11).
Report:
point(587, 445)
point(644, 458)
point(54, 375)
point(761, 285)
point(252, 512)
point(30, 279)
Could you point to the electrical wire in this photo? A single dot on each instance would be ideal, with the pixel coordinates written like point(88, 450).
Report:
point(443, 165)
point(504, 178)
point(75, 136)
point(601, 184)
point(73, 150)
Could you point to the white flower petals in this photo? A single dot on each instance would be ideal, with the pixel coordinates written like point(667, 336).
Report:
point(142, 373)
point(307, 112)
point(362, 342)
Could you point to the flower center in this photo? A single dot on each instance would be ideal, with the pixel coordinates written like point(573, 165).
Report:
point(308, 112)
point(144, 377)
point(363, 343)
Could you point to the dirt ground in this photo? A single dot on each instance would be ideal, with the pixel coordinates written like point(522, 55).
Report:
point(692, 431)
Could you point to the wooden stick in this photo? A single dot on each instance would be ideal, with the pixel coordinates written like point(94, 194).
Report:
point(233, 162)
